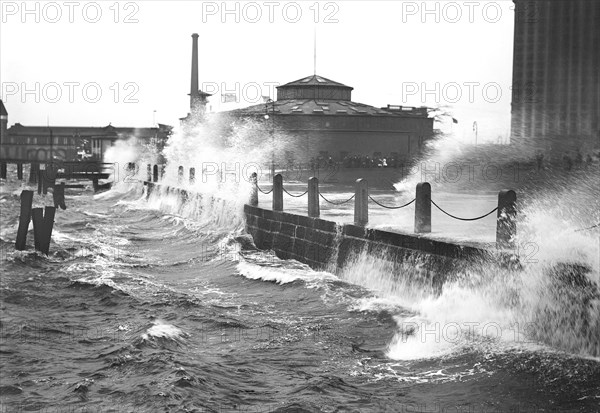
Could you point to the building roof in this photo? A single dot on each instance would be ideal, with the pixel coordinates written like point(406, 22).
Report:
point(314, 80)
point(3, 111)
point(108, 132)
point(201, 93)
point(326, 107)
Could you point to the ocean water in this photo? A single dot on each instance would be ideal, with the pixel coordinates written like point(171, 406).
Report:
point(154, 306)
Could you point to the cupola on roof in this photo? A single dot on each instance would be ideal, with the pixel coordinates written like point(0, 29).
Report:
point(314, 87)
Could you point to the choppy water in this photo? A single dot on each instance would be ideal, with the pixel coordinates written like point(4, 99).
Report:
point(153, 306)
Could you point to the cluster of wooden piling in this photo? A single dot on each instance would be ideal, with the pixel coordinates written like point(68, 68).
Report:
point(506, 226)
point(43, 222)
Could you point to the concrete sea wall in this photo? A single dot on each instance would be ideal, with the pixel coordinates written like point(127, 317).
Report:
point(327, 245)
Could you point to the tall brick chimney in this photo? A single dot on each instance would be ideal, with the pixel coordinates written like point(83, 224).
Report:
point(197, 97)
point(194, 95)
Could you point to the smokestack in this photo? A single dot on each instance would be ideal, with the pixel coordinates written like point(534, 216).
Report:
point(194, 95)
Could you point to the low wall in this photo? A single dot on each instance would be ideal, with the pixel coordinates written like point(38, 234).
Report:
point(327, 245)
point(323, 244)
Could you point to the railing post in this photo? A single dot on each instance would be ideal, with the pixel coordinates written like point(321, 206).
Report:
point(254, 192)
point(506, 222)
point(423, 208)
point(192, 176)
point(313, 197)
point(155, 173)
point(361, 203)
point(180, 174)
point(278, 193)
point(149, 177)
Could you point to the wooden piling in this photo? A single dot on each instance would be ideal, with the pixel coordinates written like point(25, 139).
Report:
point(278, 193)
point(313, 197)
point(361, 203)
point(3, 168)
point(95, 184)
point(155, 173)
point(254, 190)
point(149, 174)
point(59, 196)
point(180, 174)
point(33, 173)
point(40, 181)
point(423, 208)
point(42, 228)
point(20, 171)
point(24, 218)
point(49, 178)
point(192, 176)
point(506, 221)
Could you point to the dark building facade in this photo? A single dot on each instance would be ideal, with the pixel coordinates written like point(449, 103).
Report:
point(22, 143)
point(556, 75)
point(318, 118)
point(3, 122)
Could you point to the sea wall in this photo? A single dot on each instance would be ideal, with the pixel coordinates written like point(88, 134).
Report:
point(327, 245)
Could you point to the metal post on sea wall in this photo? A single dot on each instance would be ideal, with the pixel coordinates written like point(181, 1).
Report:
point(180, 174)
point(278, 193)
point(423, 208)
point(254, 190)
point(506, 222)
point(192, 176)
point(361, 203)
point(313, 197)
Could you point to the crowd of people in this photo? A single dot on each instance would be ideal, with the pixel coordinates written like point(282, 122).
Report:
point(569, 160)
point(357, 161)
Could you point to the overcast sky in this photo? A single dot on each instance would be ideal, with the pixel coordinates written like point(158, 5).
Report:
point(138, 54)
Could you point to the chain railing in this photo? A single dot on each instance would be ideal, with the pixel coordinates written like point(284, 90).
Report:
point(391, 207)
point(506, 209)
point(505, 220)
point(336, 202)
point(464, 219)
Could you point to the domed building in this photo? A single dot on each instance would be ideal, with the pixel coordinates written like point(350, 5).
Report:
point(321, 121)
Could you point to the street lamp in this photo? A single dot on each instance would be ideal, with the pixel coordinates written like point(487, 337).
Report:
point(272, 103)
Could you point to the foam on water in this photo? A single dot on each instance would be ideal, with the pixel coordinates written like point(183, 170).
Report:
point(283, 275)
point(160, 329)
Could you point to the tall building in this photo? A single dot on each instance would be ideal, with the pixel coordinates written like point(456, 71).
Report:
point(556, 75)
